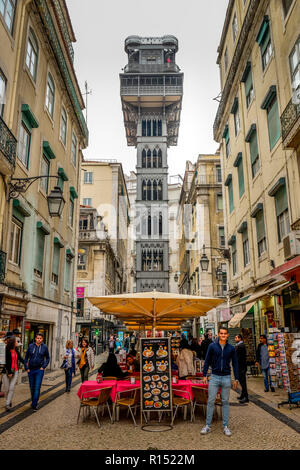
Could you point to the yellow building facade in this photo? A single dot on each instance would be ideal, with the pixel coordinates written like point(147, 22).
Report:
point(259, 63)
point(43, 110)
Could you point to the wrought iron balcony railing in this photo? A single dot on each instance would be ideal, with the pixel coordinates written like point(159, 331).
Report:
point(289, 119)
point(2, 266)
point(84, 315)
point(151, 68)
point(8, 143)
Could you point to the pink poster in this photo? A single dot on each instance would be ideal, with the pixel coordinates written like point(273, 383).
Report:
point(80, 292)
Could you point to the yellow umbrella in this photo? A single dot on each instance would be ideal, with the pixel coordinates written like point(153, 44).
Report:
point(159, 310)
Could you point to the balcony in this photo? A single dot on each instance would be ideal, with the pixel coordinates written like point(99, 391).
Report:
point(88, 235)
point(166, 85)
point(8, 148)
point(135, 67)
point(290, 125)
point(2, 266)
point(84, 316)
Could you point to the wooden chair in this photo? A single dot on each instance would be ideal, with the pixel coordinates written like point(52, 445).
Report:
point(94, 403)
point(132, 403)
point(109, 378)
point(201, 398)
point(193, 377)
point(180, 402)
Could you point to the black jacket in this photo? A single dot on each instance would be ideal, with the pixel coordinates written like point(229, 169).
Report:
point(8, 360)
point(204, 347)
point(241, 353)
point(108, 371)
point(219, 360)
point(197, 349)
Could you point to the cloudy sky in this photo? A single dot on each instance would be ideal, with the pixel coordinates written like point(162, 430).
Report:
point(101, 28)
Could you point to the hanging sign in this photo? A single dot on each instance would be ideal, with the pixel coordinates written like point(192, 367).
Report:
point(156, 387)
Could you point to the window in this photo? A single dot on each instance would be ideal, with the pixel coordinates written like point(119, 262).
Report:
point(63, 126)
point(15, 241)
point(50, 95)
point(74, 149)
point(234, 258)
point(71, 213)
point(237, 124)
point(55, 263)
point(7, 11)
point(144, 155)
point(282, 213)
point(32, 53)
point(88, 177)
point(84, 222)
point(82, 259)
point(248, 82)
point(295, 66)
point(87, 201)
point(218, 174)
point(68, 270)
point(3, 83)
point(219, 202)
point(45, 168)
point(234, 28)
point(286, 5)
point(240, 169)
point(246, 250)
point(226, 60)
point(265, 43)
point(273, 122)
point(221, 236)
point(39, 253)
point(227, 143)
point(252, 139)
point(24, 145)
point(230, 197)
point(260, 233)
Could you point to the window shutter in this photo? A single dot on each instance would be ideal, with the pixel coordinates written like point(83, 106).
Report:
point(281, 202)
point(230, 195)
point(260, 226)
point(253, 147)
point(68, 275)
point(39, 252)
point(274, 123)
point(241, 178)
point(265, 41)
point(244, 235)
point(56, 256)
point(248, 83)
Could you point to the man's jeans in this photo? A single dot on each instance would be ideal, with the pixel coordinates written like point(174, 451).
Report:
point(35, 380)
point(216, 382)
point(267, 377)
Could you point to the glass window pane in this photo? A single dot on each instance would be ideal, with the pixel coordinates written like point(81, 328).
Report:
point(2, 92)
point(45, 165)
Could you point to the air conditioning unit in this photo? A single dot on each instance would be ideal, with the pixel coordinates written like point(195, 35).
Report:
point(291, 245)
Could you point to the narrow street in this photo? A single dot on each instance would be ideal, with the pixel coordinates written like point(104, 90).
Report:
point(252, 426)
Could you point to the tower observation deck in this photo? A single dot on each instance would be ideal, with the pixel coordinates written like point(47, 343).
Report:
point(151, 95)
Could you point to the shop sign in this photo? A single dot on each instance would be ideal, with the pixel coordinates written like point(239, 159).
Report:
point(27, 325)
point(80, 292)
point(156, 374)
point(237, 309)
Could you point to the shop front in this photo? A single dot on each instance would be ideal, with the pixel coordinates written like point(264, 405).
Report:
point(32, 329)
point(13, 311)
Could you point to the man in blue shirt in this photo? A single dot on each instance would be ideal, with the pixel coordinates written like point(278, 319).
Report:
point(262, 358)
point(36, 360)
point(218, 357)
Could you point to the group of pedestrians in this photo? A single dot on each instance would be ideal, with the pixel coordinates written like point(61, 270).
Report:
point(115, 345)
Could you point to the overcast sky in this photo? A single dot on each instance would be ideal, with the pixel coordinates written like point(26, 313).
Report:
point(101, 28)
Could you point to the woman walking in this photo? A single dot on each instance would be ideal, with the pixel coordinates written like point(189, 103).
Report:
point(69, 358)
point(11, 370)
point(86, 361)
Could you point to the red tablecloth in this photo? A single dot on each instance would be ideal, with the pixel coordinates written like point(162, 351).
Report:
point(186, 387)
point(117, 386)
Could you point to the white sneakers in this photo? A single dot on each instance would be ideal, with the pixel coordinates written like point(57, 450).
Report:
point(207, 429)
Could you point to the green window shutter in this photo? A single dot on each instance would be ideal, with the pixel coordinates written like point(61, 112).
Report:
point(248, 83)
point(241, 178)
point(260, 226)
point(265, 41)
point(56, 256)
point(230, 196)
point(281, 202)
point(39, 251)
point(245, 235)
point(68, 275)
point(273, 123)
point(253, 147)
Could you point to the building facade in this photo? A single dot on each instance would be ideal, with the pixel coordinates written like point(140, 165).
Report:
point(151, 94)
point(257, 125)
point(42, 109)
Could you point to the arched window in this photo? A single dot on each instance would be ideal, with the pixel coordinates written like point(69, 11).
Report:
point(144, 128)
point(144, 158)
point(155, 261)
point(161, 260)
point(149, 225)
point(149, 261)
point(154, 127)
point(160, 224)
point(144, 191)
point(144, 260)
point(149, 187)
point(148, 128)
point(159, 128)
point(159, 191)
point(149, 159)
point(155, 191)
point(159, 158)
point(154, 158)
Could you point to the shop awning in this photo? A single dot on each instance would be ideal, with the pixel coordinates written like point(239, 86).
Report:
point(289, 269)
point(238, 317)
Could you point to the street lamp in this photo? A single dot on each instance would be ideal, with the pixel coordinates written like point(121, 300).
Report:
point(204, 261)
point(56, 202)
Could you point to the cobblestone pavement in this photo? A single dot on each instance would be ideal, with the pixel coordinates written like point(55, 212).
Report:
point(54, 425)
